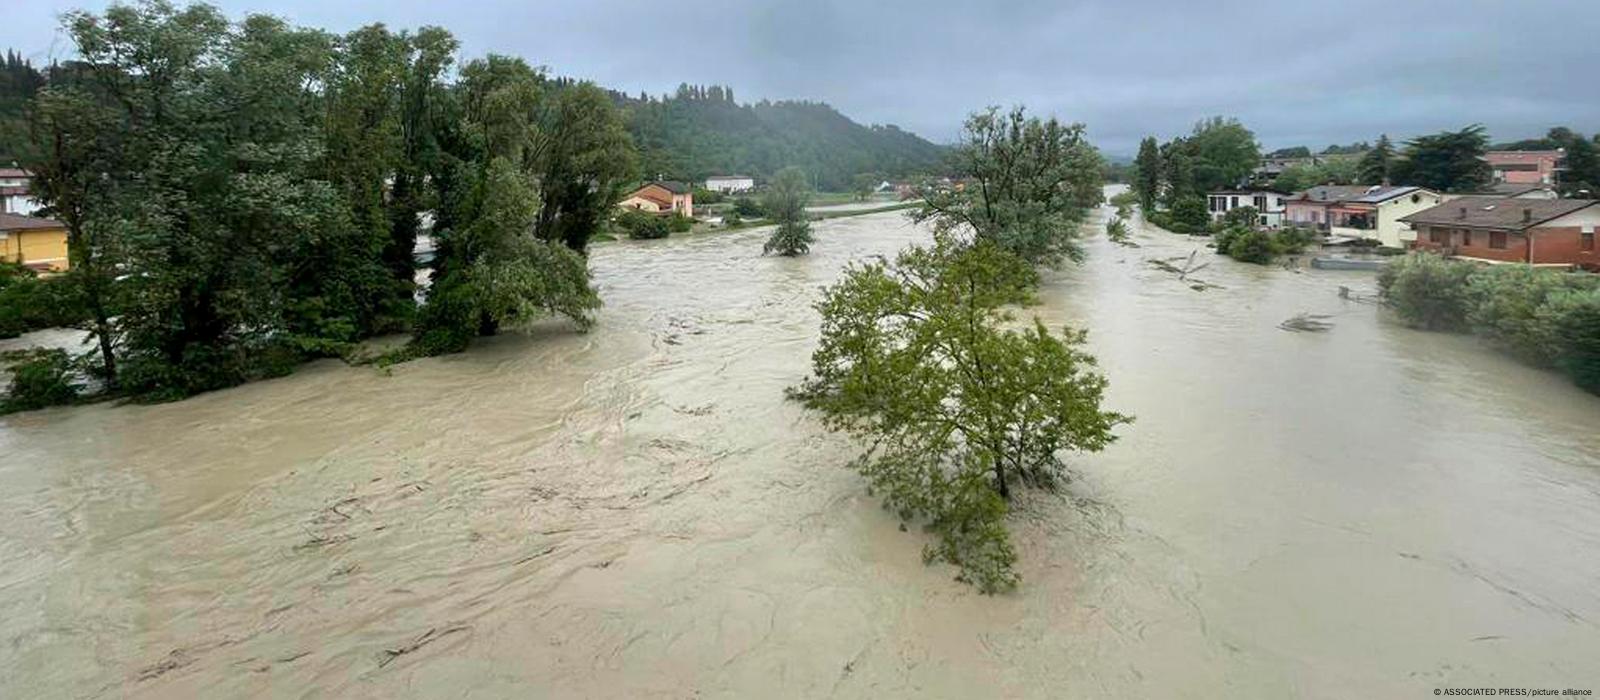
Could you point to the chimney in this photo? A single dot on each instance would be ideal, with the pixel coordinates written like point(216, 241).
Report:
point(1527, 215)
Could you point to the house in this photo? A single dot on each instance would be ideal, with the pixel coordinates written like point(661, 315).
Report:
point(16, 192)
point(730, 184)
point(38, 243)
point(662, 197)
point(1268, 203)
point(1361, 211)
point(1525, 167)
point(1543, 232)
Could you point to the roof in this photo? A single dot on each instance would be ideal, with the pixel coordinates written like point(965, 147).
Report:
point(14, 172)
point(1512, 189)
point(1503, 213)
point(1249, 190)
point(673, 186)
point(15, 222)
point(19, 190)
point(1327, 194)
point(729, 177)
point(1383, 193)
point(1522, 155)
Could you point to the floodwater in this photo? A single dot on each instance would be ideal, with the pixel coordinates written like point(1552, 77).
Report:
point(637, 512)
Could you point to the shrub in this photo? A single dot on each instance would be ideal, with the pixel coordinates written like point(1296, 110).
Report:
point(1505, 307)
point(1189, 215)
point(641, 225)
point(1251, 246)
point(29, 302)
point(1427, 291)
point(678, 223)
point(748, 208)
point(1575, 317)
point(1241, 217)
point(705, 196)
point(1293, 240)
point(732, 219)
point(39, 378)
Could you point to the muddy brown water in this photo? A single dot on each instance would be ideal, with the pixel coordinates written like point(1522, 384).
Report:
point(637, 512)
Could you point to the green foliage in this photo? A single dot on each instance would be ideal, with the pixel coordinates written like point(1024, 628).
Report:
point(496, 273)
point(1147, 175)
point(785, 203)
point(1241, 217)
point(1509, 307)
point(915, 359)
point(732, 219)
point(1031, 185)
point(678, 223)
point(1187, 215)
point(39, 378)
point(19, 83)
point(583, 158)
point(641, 225)
point(1428, 291)
point(1117, 230)
point(1541, 316)
point(702, 131)
point(1249, 245)
point(1376, 164)
point(1224, 153)
point(1575, 316)
point(1328, 170)
point(1449, 161)
point(749, 208)
point(705, 196)
point(29, 303)
point(1291, 152)
point(1293, 240)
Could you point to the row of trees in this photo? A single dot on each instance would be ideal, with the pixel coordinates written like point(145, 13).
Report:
point(1219, 152)
point(919, 356)
point(240, 196)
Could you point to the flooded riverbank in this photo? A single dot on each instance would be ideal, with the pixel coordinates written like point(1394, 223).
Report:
point(636, 511)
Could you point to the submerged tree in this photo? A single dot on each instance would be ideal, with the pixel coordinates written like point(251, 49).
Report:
point(1147, 174)
point(785, 203)
point(1029, 186)
point(916, 359)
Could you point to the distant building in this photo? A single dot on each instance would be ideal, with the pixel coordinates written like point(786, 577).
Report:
point(16, 192)
point(1361, 211)
point(1543, 232)
point(1268, 203)
point(730, 184)
point(1525, 167)
point(38, 243)
point(1510, 189)
point(662, 197)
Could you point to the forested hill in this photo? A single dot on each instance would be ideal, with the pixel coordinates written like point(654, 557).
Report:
point(702, 131)
point(18, 84)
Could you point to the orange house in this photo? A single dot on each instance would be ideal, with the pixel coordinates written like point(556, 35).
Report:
point(661, 198)
point(1543, 232)
point(38, 243)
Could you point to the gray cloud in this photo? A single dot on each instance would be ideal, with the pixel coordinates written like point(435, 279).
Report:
point(1296, 72)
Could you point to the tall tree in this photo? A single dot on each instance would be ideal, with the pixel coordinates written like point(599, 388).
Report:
point(1374, 169)
point(1147, 173)
point(1581, 178)
point(785, 203)
point(1449, 161)
point(1030, 184)
point(1225, 153)
point(584, 159)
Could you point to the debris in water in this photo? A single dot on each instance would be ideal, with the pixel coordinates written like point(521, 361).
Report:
point(1183, 271)
point(1311, 323)
point(427, 638)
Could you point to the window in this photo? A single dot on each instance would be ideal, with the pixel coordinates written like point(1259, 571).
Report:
point(1586, 242)
point(1437, 235)
point(1214, 203)
point(1233, 202)
point(1466, 237)
point(1497, 240)
point(1261, 202)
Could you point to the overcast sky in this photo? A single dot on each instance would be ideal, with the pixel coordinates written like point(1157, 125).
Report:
point(1296, 72)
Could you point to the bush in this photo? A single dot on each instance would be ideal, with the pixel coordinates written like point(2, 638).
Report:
point(39, 378)
point(1187, 215)
point(1293, 240)
point(1507, 306)
point(748, 208)
point(732, 219)
point(705, 196)
point(1251, 246)
point(1575, 317)
point(29, 302)
point(1427, 291)
point(642, 225)
point(1241, 217)
point(678, 223)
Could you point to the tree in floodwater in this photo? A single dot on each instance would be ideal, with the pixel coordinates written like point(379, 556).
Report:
point(1147, 174)
point(499, 273)
point(1029, 185)
point(785, 203)
point(959, 411)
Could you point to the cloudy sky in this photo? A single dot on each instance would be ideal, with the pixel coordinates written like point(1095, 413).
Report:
point(1296, 72)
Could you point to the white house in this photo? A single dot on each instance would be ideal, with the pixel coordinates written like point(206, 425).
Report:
point(1269, 204)
point(16, 192)
point(730, 183)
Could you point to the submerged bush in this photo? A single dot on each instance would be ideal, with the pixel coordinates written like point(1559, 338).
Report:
point(1251, 246)
point(1508, 307)
point(1576, 320)
point(1427, 291)
point(642, 225)
point(39, 378)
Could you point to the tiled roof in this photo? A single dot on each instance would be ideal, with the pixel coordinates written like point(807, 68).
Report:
point(1504, 213)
